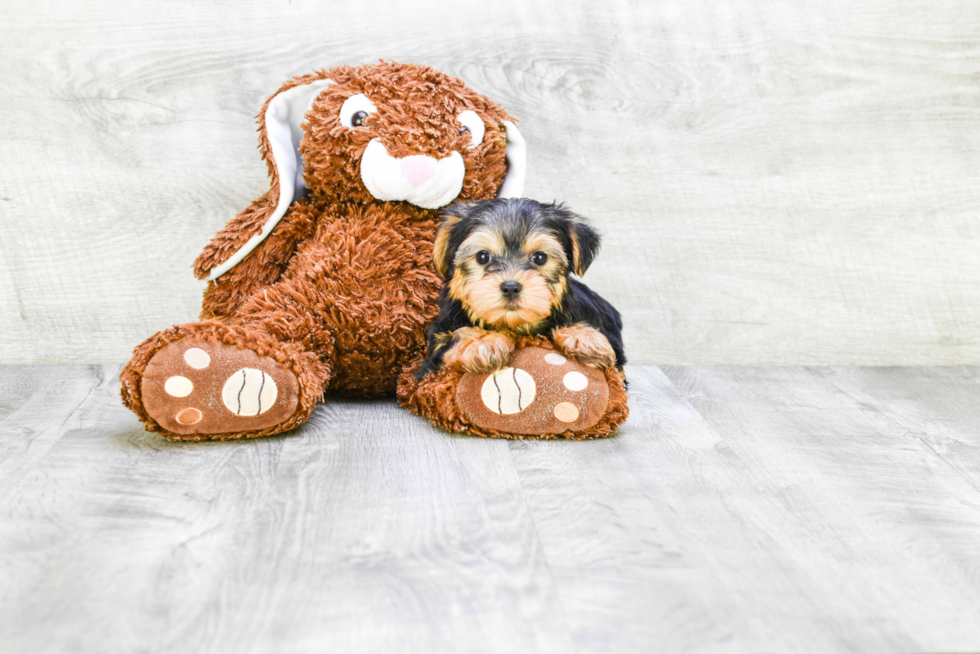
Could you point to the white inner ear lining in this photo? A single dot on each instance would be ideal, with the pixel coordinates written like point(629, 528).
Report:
point(516, 157)
point(284, 129)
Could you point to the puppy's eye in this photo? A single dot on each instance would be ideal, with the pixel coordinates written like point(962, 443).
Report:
point(473, 124)
point(355, 110)
point(483, 257)
point(539, 258)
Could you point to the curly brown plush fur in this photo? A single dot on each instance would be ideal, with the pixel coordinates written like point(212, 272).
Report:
point(343, 287)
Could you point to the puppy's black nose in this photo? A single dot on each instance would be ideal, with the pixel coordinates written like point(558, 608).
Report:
point(511, 289)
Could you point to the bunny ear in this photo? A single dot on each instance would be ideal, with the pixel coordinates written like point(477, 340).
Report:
point(513, 186)
point(283, 127)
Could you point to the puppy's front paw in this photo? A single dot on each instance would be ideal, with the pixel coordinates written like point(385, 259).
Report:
point(586, 344)
point(478, 350)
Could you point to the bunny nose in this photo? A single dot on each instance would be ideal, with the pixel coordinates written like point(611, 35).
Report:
point(418, 168)
point(510, 289)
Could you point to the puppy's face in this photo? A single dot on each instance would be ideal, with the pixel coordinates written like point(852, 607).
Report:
point(507, 261)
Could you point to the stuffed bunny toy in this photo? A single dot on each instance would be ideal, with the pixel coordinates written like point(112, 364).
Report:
point(325, 284)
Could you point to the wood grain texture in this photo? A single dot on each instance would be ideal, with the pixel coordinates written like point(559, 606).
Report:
point(367, 531)
point(856, 519)
point(777, 182)
point(740, 510)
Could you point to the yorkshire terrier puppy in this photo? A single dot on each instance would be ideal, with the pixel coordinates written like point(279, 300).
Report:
point(507, 266)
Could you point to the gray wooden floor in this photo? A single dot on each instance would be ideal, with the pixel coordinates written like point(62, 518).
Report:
point(740, 510)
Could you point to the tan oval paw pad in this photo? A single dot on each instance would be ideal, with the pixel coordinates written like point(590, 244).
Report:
point(566, 412)
point(189, 416)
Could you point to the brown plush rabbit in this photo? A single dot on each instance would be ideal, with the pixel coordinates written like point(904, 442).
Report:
point(326, 283)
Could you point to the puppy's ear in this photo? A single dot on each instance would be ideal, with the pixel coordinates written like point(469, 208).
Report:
point(441, 256)
point(585, 245)
point(582, 242)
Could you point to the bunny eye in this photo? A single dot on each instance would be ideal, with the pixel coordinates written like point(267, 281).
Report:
point(472, 123)
point(355, 109)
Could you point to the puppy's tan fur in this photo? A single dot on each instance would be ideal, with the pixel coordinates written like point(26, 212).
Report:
point(479, 350)
point(586, 344)
point(479, 290)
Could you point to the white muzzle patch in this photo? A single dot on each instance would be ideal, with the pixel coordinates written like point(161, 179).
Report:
point(424, 181)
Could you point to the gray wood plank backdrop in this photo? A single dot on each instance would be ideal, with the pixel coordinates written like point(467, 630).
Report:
point(777, 182)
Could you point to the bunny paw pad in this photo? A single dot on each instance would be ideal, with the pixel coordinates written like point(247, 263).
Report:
point(194, 387)
point(541, 392)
